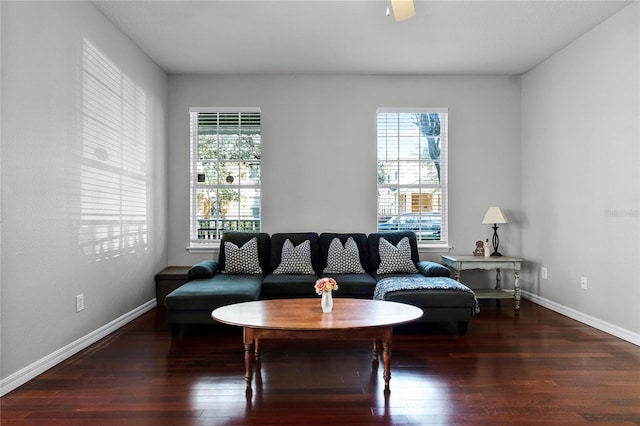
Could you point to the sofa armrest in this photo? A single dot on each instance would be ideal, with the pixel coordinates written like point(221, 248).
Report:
point(204, 269)
point(432, 269)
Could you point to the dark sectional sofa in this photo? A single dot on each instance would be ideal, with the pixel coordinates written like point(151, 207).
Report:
point(210, 286)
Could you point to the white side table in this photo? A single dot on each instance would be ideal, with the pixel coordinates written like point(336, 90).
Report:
point(463, 262)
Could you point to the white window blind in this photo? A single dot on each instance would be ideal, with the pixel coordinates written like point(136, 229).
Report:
point(225, 172)
point(412, 172)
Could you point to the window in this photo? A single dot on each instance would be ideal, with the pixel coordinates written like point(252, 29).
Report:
point(412, 172)
point(225, 172)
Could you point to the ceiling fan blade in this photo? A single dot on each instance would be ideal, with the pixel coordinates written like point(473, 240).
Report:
point(403, 9)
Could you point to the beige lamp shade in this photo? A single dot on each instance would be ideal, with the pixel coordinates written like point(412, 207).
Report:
point(403, 9)
point(494, 215)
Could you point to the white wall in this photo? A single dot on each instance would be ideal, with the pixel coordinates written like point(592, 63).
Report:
point(319, 149)
point(580, 175)
point(78, 99)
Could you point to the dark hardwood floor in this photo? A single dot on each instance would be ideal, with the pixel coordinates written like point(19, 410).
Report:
point(532, 367)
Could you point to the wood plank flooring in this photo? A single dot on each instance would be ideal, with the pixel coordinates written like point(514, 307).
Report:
point(532, 367)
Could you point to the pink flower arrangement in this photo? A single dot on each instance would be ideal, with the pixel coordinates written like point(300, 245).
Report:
point(325, 284)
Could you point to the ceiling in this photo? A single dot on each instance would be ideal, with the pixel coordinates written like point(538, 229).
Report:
point(353, 36)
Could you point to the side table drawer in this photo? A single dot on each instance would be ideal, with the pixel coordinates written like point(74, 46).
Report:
point(168, 280)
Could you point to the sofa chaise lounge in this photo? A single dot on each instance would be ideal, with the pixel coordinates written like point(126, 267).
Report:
point(254, 266)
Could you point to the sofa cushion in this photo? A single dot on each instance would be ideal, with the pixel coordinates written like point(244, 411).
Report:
point(277, 243)
point(427, 292)
point(240, 239)
point(288, 285)
point(434, 299)
point(394, 259)
point(295, 259)
point(343, 259)
point(242, 260)
point(211, 293)
point(360, 286)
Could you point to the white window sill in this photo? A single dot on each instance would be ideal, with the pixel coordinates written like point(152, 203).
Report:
point(204, 248)
point(434, 248)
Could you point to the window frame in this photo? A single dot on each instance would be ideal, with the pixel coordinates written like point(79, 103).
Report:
point(211, 244)
point(442, 185)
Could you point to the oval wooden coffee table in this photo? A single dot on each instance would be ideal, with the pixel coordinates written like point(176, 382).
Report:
point(351, 319)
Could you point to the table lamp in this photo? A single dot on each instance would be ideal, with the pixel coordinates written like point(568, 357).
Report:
point(494, 215)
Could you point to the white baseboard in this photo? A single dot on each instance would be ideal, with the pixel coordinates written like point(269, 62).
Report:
point(21, 377)
point(584, 318)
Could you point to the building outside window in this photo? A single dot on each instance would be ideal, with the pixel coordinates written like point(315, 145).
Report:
point(225, 172)
point(412, 172)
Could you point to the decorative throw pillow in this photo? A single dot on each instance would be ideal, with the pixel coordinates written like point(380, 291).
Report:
point(243, 260)
point(395, 259)
point(295, 260)
point(343, 260)
point(204, 269)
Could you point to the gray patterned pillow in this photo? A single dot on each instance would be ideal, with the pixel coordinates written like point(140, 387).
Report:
point(395, 259)
point(243, 260)
point(295, 260)
point(343, 260)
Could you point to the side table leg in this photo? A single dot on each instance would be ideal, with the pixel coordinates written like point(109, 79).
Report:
point(498, 285)
point(516, 288)
point(456, 274)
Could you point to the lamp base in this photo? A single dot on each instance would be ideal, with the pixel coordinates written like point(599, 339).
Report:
point(496, 241)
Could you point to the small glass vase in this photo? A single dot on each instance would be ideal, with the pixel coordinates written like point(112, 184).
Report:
point(327, 301)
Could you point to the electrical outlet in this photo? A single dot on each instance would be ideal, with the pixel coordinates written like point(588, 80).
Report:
point(583, 283)
point(79, 302)
point(544, 273)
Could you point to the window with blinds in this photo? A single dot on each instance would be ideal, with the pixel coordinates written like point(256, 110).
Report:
point(225, 172)
point(412, 172)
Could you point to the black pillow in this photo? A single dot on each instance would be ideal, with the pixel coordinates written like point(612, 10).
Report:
point(204, 269)
point(432, 269)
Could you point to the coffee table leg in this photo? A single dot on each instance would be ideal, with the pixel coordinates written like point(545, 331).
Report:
point(376, 345)
point(247, 337)
point(386, 356)
point(386, 359)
